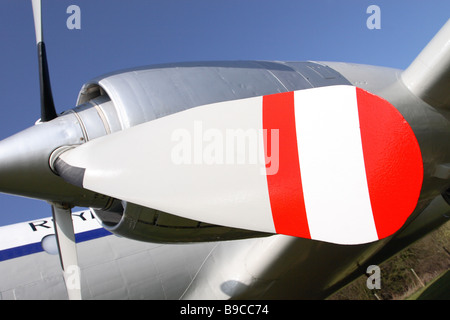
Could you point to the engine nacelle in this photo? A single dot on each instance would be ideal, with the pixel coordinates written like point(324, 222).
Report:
point(149, 225)
point(121, 100)
point(148, 93)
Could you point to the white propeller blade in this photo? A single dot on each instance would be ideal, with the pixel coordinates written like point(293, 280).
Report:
point(65, 235)
point(336, 164)
point(37, 14)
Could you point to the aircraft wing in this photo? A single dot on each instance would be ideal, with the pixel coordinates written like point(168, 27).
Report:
point(428, 76)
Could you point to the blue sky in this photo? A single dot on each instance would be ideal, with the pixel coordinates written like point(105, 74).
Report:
point(117, 34)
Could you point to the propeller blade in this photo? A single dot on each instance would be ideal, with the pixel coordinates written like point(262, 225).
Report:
point(65, 235)
point(335, 164)
point(48, 111)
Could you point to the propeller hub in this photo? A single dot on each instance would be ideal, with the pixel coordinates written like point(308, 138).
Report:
point(24, 163)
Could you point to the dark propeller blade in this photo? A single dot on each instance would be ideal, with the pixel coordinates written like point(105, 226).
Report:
point(48, 111)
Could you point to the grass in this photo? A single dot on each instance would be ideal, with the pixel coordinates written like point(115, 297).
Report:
point(421, 271)
point(437, 289)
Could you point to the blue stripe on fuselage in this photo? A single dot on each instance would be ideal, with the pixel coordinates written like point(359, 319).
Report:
point(37, 247)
